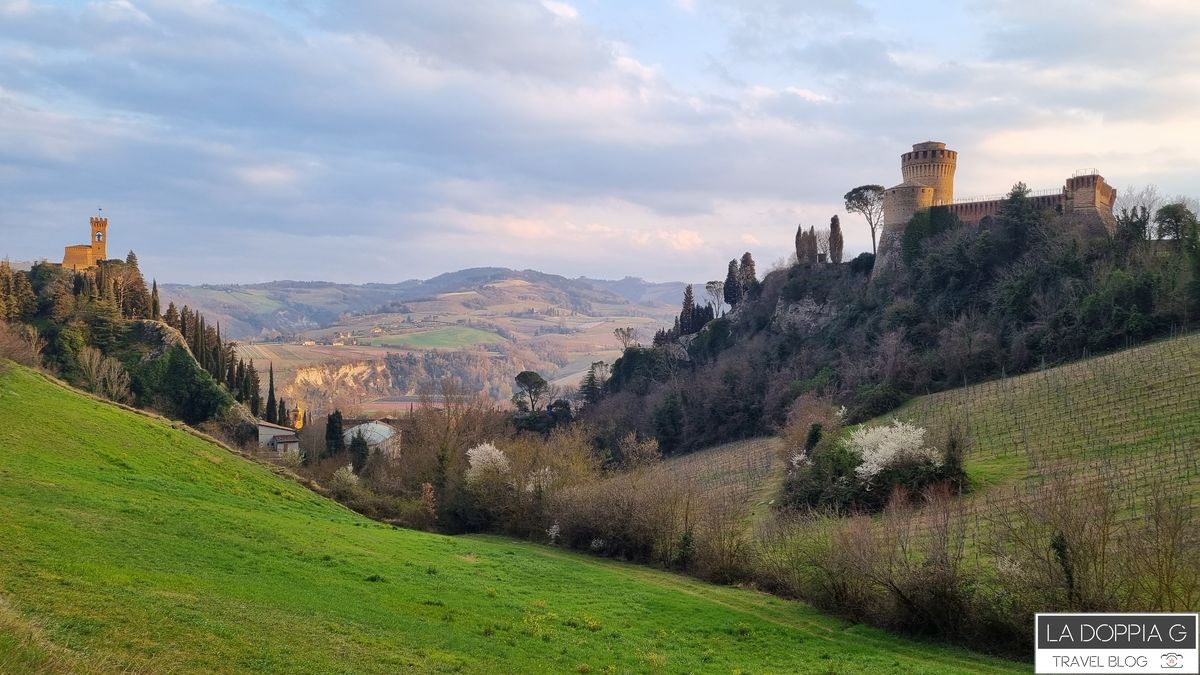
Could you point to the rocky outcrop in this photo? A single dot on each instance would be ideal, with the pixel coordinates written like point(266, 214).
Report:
point(802, 317)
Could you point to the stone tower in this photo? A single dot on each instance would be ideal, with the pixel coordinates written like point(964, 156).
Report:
point(99, 239)
point(928, 181)
point(931, 164)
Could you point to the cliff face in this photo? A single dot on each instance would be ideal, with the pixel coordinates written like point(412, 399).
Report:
point(803, 317)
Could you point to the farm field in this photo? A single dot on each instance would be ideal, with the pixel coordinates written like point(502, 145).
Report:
point(454, 337)
point(130, 546)
point(1132, 417)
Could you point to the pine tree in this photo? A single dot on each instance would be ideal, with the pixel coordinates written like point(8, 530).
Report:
point(733, 285)
point(131, 290)
point(589, 389)
point(836, 243)
point(171, 318)
point(22, 302)
point(687, 315)
point(272, 411)
point(155, 310)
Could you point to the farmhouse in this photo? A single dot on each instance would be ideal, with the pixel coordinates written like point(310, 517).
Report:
point(276, 437)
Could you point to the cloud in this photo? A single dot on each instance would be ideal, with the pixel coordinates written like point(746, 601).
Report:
point(384, 139)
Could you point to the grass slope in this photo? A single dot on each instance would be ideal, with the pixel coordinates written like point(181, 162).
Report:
point(129, 546)
point(1138, 409)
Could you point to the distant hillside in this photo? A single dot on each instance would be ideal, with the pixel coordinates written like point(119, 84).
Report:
point(136, 547)
point(289, 307)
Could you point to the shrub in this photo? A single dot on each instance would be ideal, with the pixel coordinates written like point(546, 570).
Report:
point(343, 482)
point(890, 448)
point(20, 344)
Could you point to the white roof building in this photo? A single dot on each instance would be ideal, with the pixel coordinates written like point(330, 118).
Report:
point(379, 436)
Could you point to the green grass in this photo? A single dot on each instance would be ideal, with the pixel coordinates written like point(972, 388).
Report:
point(453, 337)
point(128, 546)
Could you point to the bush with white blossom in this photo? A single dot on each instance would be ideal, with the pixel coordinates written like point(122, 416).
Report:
point(486, 461)
point(889, 447)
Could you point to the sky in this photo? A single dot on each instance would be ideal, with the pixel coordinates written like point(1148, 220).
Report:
point(382, 140)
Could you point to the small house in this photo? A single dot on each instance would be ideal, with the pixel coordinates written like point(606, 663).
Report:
point(277, 437)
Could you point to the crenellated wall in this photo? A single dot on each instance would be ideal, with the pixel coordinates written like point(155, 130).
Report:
point(928, 172)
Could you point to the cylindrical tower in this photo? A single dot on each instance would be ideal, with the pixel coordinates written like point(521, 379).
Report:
point(930, 163)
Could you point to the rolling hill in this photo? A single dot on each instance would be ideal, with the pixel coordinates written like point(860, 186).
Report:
point(498, 321)
point(291, 307)
point(131, 546)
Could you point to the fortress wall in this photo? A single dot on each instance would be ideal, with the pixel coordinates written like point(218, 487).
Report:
point(973, 212)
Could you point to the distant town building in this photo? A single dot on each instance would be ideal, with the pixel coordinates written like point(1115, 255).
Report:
point(87, 256)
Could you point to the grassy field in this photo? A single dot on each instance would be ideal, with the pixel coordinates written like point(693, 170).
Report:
point(128, 546)
point(452, 337)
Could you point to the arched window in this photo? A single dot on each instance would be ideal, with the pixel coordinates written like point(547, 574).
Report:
point(99, 236)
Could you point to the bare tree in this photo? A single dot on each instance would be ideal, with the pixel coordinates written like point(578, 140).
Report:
point(867, 201)
point(627, 336)
point(104, 375)
point(822, 242)
point(716, 293)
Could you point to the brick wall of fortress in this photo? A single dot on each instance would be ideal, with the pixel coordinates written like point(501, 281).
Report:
point(1086, 195)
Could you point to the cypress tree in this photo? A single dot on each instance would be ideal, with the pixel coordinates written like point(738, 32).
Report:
point(253, 389)
point(272, 411)
point(733, 286)
point(334, 442)
point(281, 414)
point(836, 242)
point(155, 312)
point(359, 452)
point(231, 375)
point(747, 276)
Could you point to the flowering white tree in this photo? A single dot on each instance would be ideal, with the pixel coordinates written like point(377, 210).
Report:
point(486, 461)
point(890, 446)
point(540, 480)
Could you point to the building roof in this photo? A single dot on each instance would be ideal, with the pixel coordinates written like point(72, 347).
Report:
point(284, 438)
point(374, 432)
point(269, 425)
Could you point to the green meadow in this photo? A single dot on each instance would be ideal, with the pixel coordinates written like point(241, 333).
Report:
point(130, 546)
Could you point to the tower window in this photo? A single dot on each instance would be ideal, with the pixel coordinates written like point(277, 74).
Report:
point(99, 236)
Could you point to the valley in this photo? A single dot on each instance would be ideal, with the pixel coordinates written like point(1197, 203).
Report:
point(499, 321)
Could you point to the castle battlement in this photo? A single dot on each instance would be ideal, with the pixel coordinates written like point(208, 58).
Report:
point(928, 173)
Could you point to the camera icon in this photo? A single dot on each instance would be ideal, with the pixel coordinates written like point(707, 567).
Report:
point(1172, 660)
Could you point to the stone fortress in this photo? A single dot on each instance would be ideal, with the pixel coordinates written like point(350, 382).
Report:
point(928, 173)
point(87, 256)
